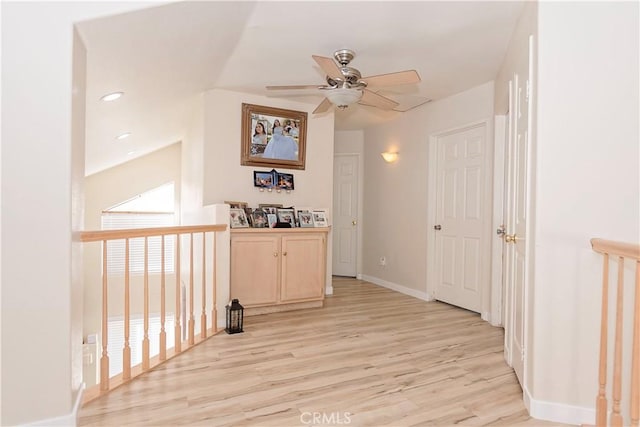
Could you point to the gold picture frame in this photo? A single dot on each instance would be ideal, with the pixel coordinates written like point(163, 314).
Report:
point(273, 137)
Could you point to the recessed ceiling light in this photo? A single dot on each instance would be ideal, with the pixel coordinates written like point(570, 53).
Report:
point(112, 96)
point(124, 135)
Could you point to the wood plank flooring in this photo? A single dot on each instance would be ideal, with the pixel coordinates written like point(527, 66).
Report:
point(370, 357)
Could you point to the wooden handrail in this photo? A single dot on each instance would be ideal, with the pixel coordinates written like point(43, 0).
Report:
point(107, 383)
point(622, 251)
point(611, 247)
point(98, 235)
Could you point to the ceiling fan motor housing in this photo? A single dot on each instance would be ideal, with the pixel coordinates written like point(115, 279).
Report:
point(344, 56)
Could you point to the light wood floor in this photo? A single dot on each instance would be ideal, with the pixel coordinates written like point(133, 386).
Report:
point(370, 357)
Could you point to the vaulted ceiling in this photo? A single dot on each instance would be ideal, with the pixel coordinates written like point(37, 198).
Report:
point(162, 56)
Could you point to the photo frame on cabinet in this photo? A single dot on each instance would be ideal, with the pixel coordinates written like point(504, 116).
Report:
point(285, 133)
point(287, 215)
point(270, 208)
point(238, 218)
point(305, 219)
point(272, 220)
point(237, 205)
point(320, 218)
point(259, 219)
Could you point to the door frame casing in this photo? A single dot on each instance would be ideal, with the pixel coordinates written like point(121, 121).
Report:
point(359, 207)
point(497, 271)
point(432, 161)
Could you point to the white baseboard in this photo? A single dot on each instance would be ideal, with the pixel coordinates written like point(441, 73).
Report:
point(399, 288)
point(558, 412)
point(359, 276)
point(69, 420)
point(328, 290)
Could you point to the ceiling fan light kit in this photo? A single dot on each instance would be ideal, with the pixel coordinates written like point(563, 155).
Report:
point(346, 86)
point(342, 97)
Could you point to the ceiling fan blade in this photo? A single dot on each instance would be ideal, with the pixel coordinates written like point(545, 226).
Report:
point(393, 79)
point(293, 87)
point(329, 66)
point(324, 106)
point(375, 100)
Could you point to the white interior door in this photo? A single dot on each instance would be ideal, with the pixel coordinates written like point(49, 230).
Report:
point(461, 244)
point(345, 212)
point(518, 163)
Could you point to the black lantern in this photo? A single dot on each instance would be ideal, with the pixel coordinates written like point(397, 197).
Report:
point(235, 316)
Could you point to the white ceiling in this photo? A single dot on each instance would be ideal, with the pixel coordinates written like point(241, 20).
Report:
point(163, 56)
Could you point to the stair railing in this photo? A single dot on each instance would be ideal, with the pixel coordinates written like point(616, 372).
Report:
point(207, 289)
point(621, 251)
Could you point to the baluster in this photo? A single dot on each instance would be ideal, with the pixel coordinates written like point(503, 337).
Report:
point(203, 316)
point(126, 352)
point(192, 320)
point(145, 340)
point(163, 333)
point(104, 360)
point(616, 418)
point(214, 311)
point(635, 358)
point(178, 332)
point(601, 400)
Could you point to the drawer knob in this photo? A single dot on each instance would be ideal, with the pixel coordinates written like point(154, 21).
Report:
point(275, 254)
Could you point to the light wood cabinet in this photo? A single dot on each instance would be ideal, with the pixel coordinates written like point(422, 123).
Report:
point(278, 268)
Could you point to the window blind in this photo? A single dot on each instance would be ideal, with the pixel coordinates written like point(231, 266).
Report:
point(116, 248)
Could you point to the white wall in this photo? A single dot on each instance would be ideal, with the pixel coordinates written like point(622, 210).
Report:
point(587, 182)
point(349, 141)
point(39, 165)
point(395, 195)
point(192, 169)
point(226, 179)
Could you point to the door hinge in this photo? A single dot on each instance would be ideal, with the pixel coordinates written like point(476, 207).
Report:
point(528, 92)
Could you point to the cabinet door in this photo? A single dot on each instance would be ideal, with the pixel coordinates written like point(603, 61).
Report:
point(255, 275)
point(303, 267)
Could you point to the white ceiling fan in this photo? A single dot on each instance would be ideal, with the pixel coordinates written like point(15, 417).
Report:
point(346, 86)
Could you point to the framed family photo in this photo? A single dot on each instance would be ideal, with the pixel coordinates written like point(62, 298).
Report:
point(238, 218)
point(273, 137)
point(287, 215)
point(320, 218)
point(306, 219)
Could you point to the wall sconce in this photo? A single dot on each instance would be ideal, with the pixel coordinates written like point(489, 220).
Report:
point(389, 157)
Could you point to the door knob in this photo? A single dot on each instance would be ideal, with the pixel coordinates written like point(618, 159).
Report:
point(437, 227)
point(354, 222)
point(510, 238)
